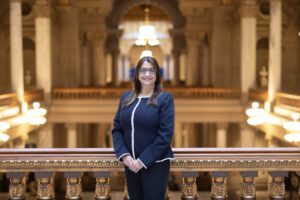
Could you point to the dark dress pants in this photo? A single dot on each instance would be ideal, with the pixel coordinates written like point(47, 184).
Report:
point(148, 184)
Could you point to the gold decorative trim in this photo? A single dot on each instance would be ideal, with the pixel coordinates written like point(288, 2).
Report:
point(288, 165)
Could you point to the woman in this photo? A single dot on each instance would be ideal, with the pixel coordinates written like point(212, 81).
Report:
point(143, 131)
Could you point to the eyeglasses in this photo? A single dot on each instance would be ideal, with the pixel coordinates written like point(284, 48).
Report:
point(151, 71)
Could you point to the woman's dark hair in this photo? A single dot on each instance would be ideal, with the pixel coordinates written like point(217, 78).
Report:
point(137, 87)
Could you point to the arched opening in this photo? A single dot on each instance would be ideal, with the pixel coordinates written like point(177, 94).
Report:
point(128, 16)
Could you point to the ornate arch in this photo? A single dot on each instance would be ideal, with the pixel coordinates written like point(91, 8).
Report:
point(120, 7)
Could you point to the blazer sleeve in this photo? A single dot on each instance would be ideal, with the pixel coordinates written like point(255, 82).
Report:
point(163, 140)
point(118, 136)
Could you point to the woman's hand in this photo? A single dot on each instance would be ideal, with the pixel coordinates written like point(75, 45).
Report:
point(128, 160)
point(136, 166)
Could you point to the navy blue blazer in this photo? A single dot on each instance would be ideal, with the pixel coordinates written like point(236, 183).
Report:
point(145, 132)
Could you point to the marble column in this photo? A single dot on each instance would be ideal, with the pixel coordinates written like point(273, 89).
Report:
point(113, 50)
point(247, 135)
point(194, 40)
point(206, 74)
point(45, 137)
point(72, 135)
point(86, 63)
point(16, 48)
point(274, 84)
point(248, 11)
point(68, 45)
point(176, 57)
point(98, 53)
point(178, 48)
point(178, 134)
point(222, 135)
point(43, 46)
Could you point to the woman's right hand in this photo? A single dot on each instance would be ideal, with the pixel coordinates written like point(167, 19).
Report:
point(128, 161)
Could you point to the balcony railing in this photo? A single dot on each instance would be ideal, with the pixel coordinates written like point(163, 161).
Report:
point(106, 93)
point(291, 101)
point(218, 161)
point(34, 95)
point(6, 100)
point(258, 95)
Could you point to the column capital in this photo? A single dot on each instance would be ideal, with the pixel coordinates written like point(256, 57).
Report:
point(248, 8)
point(71, 126)
point(42, 8)
point(113, 40)
point(194, 37)
point(222, 125)
point(178, 37)
point(96, 37)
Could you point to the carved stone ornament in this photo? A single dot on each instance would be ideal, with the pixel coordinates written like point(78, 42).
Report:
point(277, 188)
point(102, 189)
point(219, 188)
point(74, 188)
point(189, 189)
point(248, 188)
point(17, 188)
point(45, 188)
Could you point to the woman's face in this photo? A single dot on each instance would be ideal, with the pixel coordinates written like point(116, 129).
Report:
point(147, 74)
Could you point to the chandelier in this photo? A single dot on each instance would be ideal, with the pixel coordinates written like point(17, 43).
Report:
point(4, 126)
point(292, 128)
point(256, 115)
point(147, 34)
point(36, 115)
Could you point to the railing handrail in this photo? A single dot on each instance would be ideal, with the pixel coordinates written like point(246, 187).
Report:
point(195, 159)
point(222, 151)
point(8, 99)
point(115, 92)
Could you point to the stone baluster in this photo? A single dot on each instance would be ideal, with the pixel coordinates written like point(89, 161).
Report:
point(189, 187)
point(17, 187)
point(74, 186)
point(219, 185)
point(125, 193)
point(102, 191)
point(248, 186)
point(45, 190)
point(277, 187)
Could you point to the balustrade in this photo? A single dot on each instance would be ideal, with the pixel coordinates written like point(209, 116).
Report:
point(189, 161)
point(107, 93)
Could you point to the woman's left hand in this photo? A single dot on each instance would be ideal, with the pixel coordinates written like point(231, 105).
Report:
point(136, 166)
